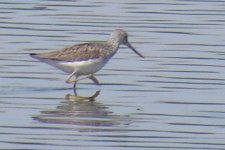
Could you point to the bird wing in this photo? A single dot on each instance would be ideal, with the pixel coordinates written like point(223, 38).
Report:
point(79, 52)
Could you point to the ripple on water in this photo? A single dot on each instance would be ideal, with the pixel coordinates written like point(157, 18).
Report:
point(172, 99)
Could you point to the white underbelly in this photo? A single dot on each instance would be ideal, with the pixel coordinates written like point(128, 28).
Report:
point(82, 67)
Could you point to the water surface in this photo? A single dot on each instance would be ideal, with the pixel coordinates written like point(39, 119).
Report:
point(172, 99)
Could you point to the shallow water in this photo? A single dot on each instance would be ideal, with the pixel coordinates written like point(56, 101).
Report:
point(172, 99)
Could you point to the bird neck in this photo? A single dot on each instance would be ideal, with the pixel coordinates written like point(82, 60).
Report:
point(114, 44)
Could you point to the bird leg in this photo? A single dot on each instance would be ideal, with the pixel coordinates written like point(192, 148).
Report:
point(68, 79)
point(88, 76)
point(92, 77)
point(81, 78)
point(74, 88)
point(77, 79)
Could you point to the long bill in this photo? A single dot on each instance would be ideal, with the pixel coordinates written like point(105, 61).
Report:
point(131, 47)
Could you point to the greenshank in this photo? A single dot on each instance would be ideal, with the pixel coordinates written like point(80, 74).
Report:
point(81, 61)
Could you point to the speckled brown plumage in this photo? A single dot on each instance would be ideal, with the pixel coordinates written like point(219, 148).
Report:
point(79, 52)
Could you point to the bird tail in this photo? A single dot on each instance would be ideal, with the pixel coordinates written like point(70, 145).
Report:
point(35, 55)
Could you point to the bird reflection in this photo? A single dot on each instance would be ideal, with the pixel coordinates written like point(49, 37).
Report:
point(80, 110)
